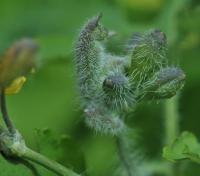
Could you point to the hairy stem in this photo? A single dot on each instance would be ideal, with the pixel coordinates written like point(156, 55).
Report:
point(121, 149)
point(5, 114)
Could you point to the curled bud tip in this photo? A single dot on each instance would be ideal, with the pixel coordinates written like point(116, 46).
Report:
point(94, 22)
point(170, 74)
point(159, 37)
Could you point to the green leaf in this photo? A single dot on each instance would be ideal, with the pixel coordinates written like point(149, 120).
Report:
point(184, 147)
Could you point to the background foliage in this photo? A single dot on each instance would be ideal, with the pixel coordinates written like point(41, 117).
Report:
point(47, 111)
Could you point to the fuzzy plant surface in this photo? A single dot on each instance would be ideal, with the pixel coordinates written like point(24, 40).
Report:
point(112, 85)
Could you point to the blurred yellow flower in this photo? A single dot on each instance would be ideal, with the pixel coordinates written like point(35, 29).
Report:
point(15, 86)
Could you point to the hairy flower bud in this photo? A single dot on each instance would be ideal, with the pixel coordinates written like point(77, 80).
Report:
point(88, 53)
point(117, 90)
point(103, 121)
point(166, 83)
point(147, 55)
point(17, 61)
point(110, 85)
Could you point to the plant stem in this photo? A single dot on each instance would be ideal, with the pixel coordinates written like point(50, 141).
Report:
point(17, 150)
point(121, 149)
point(47, 163)
point(172, 128)
point(4, 112)
point(157, 168)
point(171, 119)
point(30, 166)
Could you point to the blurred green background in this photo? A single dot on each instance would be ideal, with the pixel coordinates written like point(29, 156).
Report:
point(47, 110)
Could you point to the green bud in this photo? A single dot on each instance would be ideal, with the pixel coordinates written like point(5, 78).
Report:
point(88, 52)
point(166, 83)
point(110, 85)
point(102, 120)
point(117, 91)
point(147, 55)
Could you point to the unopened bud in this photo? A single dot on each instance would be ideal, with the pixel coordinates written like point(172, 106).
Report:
point(117, 90)
point(147, 55)
point(166, 83)
point(17, 61)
